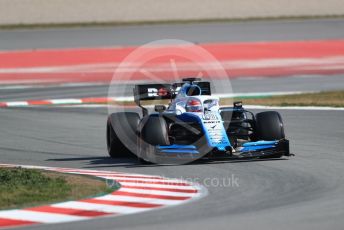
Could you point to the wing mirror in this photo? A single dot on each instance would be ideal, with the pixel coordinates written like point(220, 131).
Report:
point(159, 108)
point(237, 104)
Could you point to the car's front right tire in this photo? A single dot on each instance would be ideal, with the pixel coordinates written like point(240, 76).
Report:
point(269, 126)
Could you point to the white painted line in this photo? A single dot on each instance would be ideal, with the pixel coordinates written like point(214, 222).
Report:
point(149, 185)
point(17, 103)
point(41, 217)
point(65, 101)
point(146, 180)
point(157, 192)
point(100, 207)
point(312, 108)
point(139, 199)
point(261, 94)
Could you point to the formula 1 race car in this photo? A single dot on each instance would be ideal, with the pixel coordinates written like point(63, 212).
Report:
point(193, 126)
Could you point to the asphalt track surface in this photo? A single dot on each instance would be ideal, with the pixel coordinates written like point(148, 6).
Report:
point(302, 192)
point(239, 85)
point(198, 33)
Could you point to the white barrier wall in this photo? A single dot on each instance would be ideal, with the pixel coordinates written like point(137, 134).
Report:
point(89, 11)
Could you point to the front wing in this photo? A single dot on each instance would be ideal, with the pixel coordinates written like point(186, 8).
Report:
point(259, 149)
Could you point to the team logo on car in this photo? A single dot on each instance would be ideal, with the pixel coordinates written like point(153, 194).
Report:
point(163, 92)
point(153, 92)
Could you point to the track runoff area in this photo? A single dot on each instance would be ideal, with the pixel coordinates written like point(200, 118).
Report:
point(137, 193)
point(92, 65)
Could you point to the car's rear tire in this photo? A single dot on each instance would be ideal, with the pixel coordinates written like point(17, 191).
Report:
point(269, 126)
point(121, 132)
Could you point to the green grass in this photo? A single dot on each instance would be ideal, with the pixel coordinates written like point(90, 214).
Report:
point(28, 187)
point(329, 98)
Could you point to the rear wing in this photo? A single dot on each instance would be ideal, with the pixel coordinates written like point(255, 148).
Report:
point(163, 91)
point(153, 92)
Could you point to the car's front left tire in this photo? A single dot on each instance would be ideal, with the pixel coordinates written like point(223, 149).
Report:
point(155, 131)
point(121, 134)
